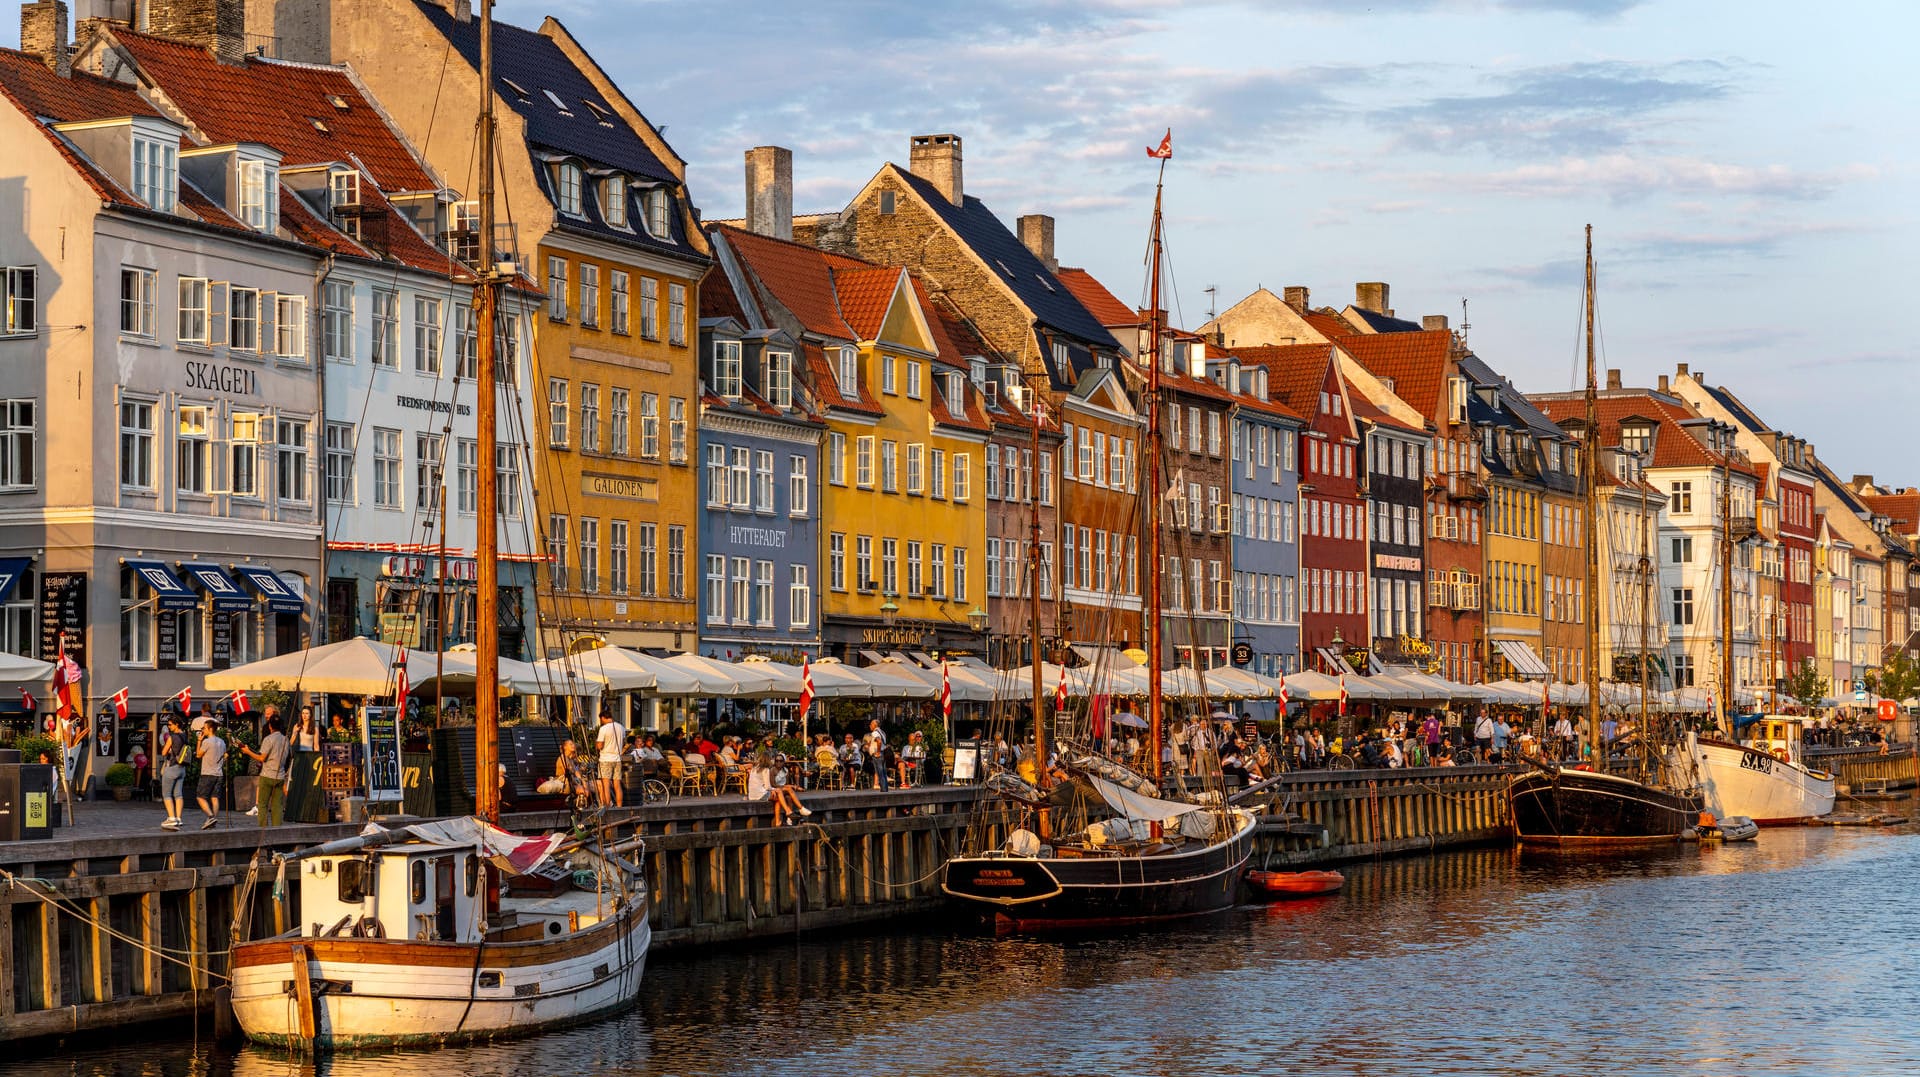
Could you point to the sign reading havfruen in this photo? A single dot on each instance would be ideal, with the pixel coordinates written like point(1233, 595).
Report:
point(1395, 562)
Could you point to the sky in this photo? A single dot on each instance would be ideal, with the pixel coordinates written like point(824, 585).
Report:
point(1748, 167)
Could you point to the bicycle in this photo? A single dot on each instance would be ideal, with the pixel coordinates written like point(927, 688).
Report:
point(654, 793)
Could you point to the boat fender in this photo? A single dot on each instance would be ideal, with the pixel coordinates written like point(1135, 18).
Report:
point(1780, 754)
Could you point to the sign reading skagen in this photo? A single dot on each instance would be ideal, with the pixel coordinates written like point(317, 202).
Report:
point(1402, 564)
point(615, 486)
point(220, 378)
point(757, 536)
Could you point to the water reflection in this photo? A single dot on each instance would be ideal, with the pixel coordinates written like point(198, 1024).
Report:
point(1783, 956)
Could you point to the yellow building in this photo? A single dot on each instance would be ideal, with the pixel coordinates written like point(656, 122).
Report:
point(902, 494)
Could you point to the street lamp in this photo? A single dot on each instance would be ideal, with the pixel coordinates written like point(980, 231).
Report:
point(889, 612)
point(977, 617)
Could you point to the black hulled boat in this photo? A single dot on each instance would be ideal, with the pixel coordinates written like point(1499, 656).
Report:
point(1567, 810)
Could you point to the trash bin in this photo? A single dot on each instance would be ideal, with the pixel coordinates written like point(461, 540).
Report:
point(10, 807)
point(26, 802)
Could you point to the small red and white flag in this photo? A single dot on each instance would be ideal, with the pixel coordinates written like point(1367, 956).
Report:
point(946, 693)
point(1546, 700)
point(1282, 678)
point(400, 689)
point(238, 698)
point(27, 701)
point(1165, 149)
point(1060, 693)
point(185, 696)
point(119, 700)
point(806, 686)
point(66, 682)
point(1343, 695)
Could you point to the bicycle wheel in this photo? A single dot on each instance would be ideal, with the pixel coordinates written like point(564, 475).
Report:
point(1340, 762)
point(654, 791)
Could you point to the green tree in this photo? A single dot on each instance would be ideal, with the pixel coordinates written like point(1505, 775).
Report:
point(1806, 684)
point(1898, 678)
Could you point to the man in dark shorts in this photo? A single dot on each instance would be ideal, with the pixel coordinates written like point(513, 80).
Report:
point(212, 754)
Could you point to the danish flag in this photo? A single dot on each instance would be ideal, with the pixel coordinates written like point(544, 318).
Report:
point(119, 700)
point(185, 696)
point(1165, 149)
point(27, 701)
point(946, 693)
point(1283, 687)
point(1343, 695)
point(400, 689)
point(238, 697)
point(1060, 693)
point(806, 686)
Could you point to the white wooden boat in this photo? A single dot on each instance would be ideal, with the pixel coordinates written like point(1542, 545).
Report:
point(1765, 778)
point(396, 945)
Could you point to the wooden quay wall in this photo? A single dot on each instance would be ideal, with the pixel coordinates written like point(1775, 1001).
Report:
point(1327, 816)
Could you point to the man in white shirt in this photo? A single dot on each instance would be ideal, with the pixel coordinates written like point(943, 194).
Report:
point(610, 738)
point(876, 752)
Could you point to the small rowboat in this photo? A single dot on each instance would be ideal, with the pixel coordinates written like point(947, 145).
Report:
point(1277, 885)
point(1732, 828)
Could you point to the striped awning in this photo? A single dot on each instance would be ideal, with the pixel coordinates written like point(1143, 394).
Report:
point(1525, 661)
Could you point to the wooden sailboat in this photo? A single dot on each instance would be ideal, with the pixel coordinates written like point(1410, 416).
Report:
point(456, 930)
point(1156, 858)
point(1563, 809)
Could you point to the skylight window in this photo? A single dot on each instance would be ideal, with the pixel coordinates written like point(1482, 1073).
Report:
point(519, 90)
point(319, 125)
point(338, 101)
point(1044, 282)
point(557, 103)
point(601, 114)
point(1003, 268)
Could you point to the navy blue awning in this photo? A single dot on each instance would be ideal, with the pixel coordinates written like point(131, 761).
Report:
point(226, 594)
point(11, 569)
point(280, 597)
point(168, 591)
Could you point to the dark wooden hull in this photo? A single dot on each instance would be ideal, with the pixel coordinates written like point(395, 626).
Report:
point(1028, 894)
point(1586, 812)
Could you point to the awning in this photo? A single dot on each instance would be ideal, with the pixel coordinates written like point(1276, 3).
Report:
point(226, 594)
point(11, 569)
point(280, 595)
point(1334, 660)
point(169, 592)
point(1524, 661)
point(873, 658)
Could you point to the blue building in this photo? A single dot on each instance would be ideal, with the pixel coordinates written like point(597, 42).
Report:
point(1264, 480)
point(759, 506)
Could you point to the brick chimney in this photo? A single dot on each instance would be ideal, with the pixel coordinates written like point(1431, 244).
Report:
point(1433, 321)
point(1613, 378)
point(220, 25)
point(770, 191)
point(1663, 383)
point(1371, 295)
point(936, 159)
point(43, 33)
point(1680, 370)
point(1862, 482)
point(1296, 297)
point(1036, 231)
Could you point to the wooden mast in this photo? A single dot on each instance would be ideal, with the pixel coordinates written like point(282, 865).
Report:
point(1041, 773)
point(486, 695)
point(1590, 472)
point(1152, 487)
point(1726, 588)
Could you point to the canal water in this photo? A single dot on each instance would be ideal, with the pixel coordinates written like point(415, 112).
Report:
point(1792, 955)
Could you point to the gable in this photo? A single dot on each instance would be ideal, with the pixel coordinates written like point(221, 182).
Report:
point(904, 326)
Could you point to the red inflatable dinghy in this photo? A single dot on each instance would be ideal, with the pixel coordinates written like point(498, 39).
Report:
point(1294, 884)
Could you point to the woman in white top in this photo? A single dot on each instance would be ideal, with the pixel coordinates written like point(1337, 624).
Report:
point(767, 778)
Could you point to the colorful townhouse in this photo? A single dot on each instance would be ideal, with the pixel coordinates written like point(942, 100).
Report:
point(599, 214)
point(902, 449)
point(1394, 449)
point(1264, 529)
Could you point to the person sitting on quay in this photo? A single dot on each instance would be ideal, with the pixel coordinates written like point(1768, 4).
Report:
point(767, 779)
point(1445, 759)
point(1233, 762)
point(913, 759)
point(851, 761)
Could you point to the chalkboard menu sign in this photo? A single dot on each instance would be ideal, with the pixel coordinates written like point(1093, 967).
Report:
point(166, 652)
point(222, 640)
point(63, 608)
point(380, 732)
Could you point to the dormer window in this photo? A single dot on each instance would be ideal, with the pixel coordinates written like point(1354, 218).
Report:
point(259, 195)
point(657, 213)
point(344, 186)
point(849, 378)
point(156, 173)
point(779, 388)
point(726, 368)
point(566, 187)
point(613, 195)
point(956, 396)
point(1637, 438)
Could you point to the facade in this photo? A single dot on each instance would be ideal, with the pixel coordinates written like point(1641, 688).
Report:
point(601, 217)
point(1264, 482)
point(1022, 501)
point(1632, 629)
point(168, 523)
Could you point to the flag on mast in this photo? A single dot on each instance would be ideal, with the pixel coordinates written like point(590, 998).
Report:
point(66, 682)
point(806, 686)
point(1060, 692)
point(27, 701)
point(1343, 695)
point(119, 700)
point(1165, 149)
point(946, 693)
point(400, 689)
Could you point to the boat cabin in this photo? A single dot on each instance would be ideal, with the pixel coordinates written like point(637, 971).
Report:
point(414, 891)
point(1779, 735)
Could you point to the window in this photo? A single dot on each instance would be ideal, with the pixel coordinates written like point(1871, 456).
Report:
point(386, 468)
point(290, 326)
point(156, 173)
point(246, 431)
point(1683, 671)
point(260, 195)
point(1683, 606)
point(136, 445)
point(136, 619)
point(993, 568)
point(916, 468)
point(243, 319)
point(726, 368)
point(937, 473)
point(837, 458)
point(339, 462)
point(589, 554)
point(677, 314)
point(343, 188)
point(717, 481)
point(1682, 497)
point(959, 591)
point(566, 188)
point(837, 560)
point(1683, 551)
point(290, 460)
point(798, 494)
point(192, 315)
point(589, 295)
point(763, 481)
point(430, 470)
point(863, 462)
point(649, 308)
point(888, 379)
point(913, 568)
point(993, 472)
point(506, 477)
point(742, 584)
point(386, 328)
point(619, 301)
point(890, 566)
point(466, 475)
point(657, 213)
point(863, 563)
point(849, 373)
point(763, 592)
point(589, 417)
point(613, 201)
point(619, 420)
point(913, 380)
point(426, 335)
point(780, 379)
point(962, 476)
point(557, 575)
point(136, 302)
point(716, 588)
point(956, 393)
point(799, 598)
point(557, 288)
point(557, 417)
point(889, 466)
point(649, 553)
point(336, 320)
point(937, 569)
point(16, 443)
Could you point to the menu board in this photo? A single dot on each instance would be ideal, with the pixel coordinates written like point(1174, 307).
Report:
point(63, 608)
point(222, 651)
point(166, 652)
point(380, 733)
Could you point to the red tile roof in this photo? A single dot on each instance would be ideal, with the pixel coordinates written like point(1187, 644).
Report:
point(1366, 410)
point(799, 278)
point(1417, 363)
point(1672, 445)
point(864, 294)
point(1329, 324)
point(275, 103)
point(824, 381)
point(1903, 509)
point(1295, 373)
point(717, 299)
point(40, 94)
point(1105, 307)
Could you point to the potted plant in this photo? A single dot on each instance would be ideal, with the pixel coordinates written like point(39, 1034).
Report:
point(120, 778)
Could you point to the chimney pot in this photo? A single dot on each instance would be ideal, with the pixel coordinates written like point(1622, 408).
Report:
point(1036, 232)
point(1681, 369)
point(936, 159)
point(1613, 378)
point(1296, 297)
point(770, 191)
point(43, 32)
point(1861, 481)
point(1433, 321)
point(1371, 295)
point(1663, 383)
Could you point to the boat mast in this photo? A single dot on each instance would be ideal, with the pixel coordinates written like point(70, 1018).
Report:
point(486, 695)
point(1726, 587)
point(1153, 486)
point(1646, 600)
point(1592, 476)
point(1041, 773)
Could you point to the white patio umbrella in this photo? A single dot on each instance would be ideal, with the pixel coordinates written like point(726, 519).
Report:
point(1307, 685)
point(18, 667)
point(1229, 683)
point(1018, 680)
point(728, 679)
point(460, 665)
point(786, 679)
point(892, 680)
point(626, 670)
point(358, 666)
point(831, 680)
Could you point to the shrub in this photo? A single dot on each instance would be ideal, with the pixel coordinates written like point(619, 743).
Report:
point(119, 775)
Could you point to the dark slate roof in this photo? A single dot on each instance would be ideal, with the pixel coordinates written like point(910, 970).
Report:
point(1050, 301)
point(1741, 413)
point(1385, 323)
point(1512, 400)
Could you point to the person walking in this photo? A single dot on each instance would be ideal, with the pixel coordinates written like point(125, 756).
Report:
point(176, 751)
point(212, 754)
point(610, 738)
point(274, 755)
